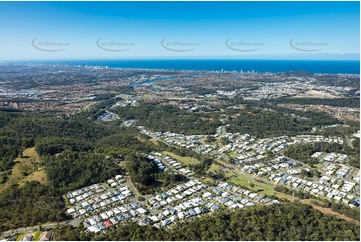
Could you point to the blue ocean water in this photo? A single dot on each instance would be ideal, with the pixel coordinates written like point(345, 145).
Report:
point(313, 66)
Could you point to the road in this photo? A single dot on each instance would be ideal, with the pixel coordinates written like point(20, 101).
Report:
point(73, 222)
point(131, 186)
point(347, 141)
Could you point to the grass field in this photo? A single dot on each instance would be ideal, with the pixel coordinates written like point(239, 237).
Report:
point(252, 184)
point(229, 174)
point(20, 236)
point(225, 164)
point(154, 141)
point(232, 154)
point(36, 235)
point(208, 180)
point(38, 175)
point(25, 169)
point(259, 187)
point(214, 168)
point(184, 160)
point(319, 165)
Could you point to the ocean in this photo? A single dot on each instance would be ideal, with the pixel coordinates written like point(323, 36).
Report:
point(313, 66)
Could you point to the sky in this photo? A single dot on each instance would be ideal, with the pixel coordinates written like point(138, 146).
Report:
point(120, 30)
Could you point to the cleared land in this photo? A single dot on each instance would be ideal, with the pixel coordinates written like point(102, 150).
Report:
point(316, 94)
point(25, 169)
point(184, 160)
point(214, 168)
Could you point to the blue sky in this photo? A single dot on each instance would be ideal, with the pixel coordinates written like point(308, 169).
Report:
point(99, 30)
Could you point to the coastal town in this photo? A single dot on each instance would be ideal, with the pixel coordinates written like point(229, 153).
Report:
point(180, 121)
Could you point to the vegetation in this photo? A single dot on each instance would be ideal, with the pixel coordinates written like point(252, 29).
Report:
point(268, 121)
point(26, 168)
point(71, 170)
point(165, 118)
point(353, 153)
point(145, 174)
point(32, 204)
point(340, 131)
point(187, 161)
point(55, 145)
point(74, 153)
point(142, 170)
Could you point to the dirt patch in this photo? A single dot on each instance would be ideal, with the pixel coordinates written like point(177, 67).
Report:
point(316, 94)
point(25, 169)
point(330, 211)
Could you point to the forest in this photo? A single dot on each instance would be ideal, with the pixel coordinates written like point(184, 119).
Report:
point(163, 118)
point(30, 205)
point(74, 153)
point(269, 121)
point(147, 177)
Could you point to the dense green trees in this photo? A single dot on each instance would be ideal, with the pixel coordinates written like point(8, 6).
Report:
point(11, 143)
point(73, 153)
point(9, 149)
point(54, 145)
point(122, 141)
point(303, 152)
point(70, 170)
point(142, 170)
point(203, 166)
point(267, 121)
point(340, 131)
point(170, 118)
point(146, 175)
point(29, 205)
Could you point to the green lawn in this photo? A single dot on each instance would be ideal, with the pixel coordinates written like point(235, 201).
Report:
point(319, 165)
point(262, 188)
point(214, 168)
point(154, 141)
point(184, 160)
point(208, 180)
point(36, 235)
point(229, 174)
point(20, 236)
point(233, 155)
point(259, 187)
